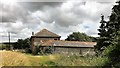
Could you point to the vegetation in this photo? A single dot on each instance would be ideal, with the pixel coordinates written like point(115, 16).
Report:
point(22, 44)
point(77, 36)
point(108, 44)
point(107, 48)
point(4, 46)
point(13, 59)
point(10, 58)
point(38, 50)
point(102, 40)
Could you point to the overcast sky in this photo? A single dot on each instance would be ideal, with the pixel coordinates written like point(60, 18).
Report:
point(59, 16)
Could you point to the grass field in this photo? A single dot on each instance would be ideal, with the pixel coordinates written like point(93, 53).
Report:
point(10, 58)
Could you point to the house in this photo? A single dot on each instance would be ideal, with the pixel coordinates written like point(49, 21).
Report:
point(47, 38)
point(43, 36)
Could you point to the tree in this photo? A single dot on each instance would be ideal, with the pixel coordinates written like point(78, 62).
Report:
point(114, 30)
point(77, 36)
point(26, 43)
point(22, 43)
point(108, 30)
point(102, 41)
point(108, 43)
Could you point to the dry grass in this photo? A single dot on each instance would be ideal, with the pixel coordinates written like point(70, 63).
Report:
point(9, 58)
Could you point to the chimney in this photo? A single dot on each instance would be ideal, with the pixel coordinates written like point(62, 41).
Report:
point(32, 33)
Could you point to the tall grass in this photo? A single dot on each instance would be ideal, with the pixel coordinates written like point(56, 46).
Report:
point(10, 58)
point(42, 60)
point(13, 59)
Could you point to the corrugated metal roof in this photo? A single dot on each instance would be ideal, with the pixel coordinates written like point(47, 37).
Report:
point(74, 44)
point(69, 43)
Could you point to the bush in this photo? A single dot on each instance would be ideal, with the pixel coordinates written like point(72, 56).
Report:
point(5, 46)
point(28, 50)
point(2, 46)
point(98, 61)
point(36, 50)
point(113, 54)
point(48, 50)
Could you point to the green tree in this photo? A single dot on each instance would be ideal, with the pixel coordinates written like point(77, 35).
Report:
point(22, 43)
point(114, 36)
point(77, 36)
point(108, 30)
point(102, 41)
point(26, 43)
point(108, 43)
point(19, 44)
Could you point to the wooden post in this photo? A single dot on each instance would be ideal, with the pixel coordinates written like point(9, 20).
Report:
point(9, 39)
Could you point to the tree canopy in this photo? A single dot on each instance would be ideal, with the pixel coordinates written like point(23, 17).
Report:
point(108, 44)
point(22, 43)
point(77, 36)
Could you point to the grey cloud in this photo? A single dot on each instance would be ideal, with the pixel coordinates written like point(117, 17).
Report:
point(60, 17)
point(34, 6)
point(35, 16)
point(8, 19)
point(12, 13)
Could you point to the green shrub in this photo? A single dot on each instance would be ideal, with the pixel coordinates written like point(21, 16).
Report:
point(4, 46)
point(98, 61)
point(36, 50)
point(113, 54)
point(48, 50)
point(28, 50)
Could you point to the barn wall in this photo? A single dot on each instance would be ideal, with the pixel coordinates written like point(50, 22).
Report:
point(74, 51)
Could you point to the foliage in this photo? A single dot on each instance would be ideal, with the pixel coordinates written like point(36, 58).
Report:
point(48, 50)
point(77, 36)
point(22, 44)
point(36, 50)
point(102, 40)
point(98, 61)
point(22, 59)
point(28, 50)
point(108, 43)
point(114, 49)
point(113, 53)
point(4, 46)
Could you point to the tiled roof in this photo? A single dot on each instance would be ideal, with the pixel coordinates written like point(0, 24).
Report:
point(69, 43)
point(46, 33)
point(48, 43)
